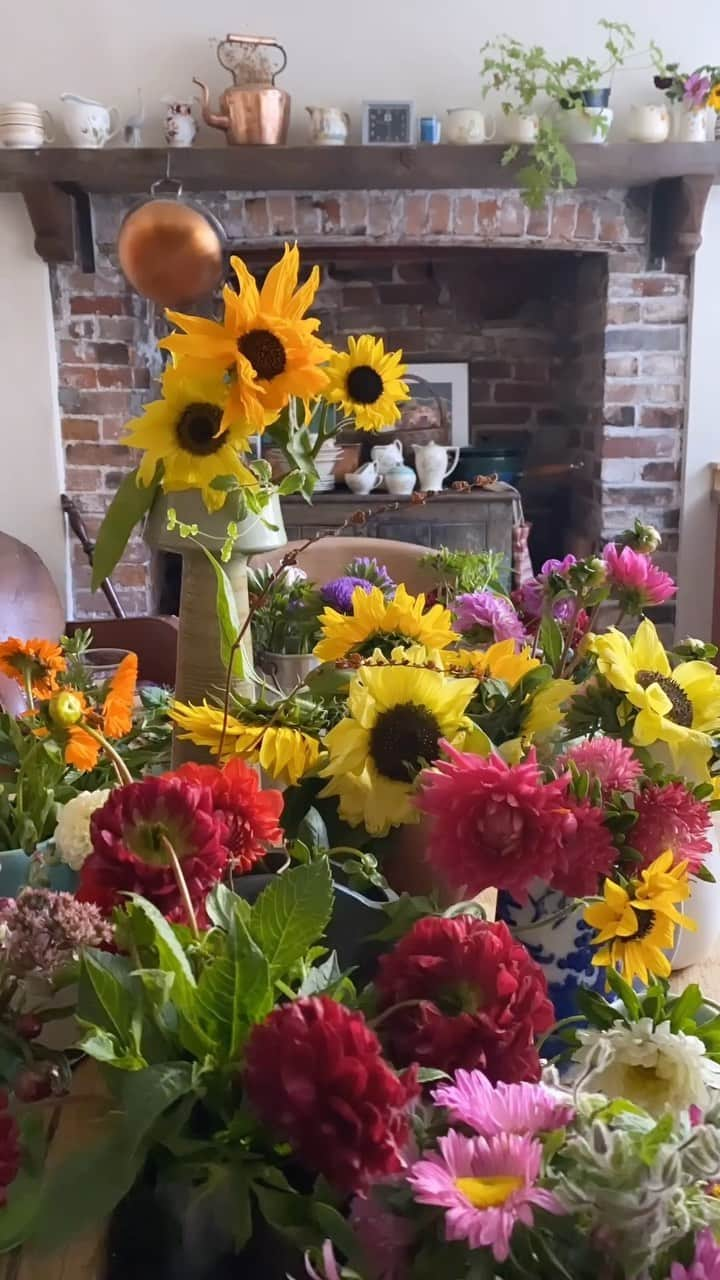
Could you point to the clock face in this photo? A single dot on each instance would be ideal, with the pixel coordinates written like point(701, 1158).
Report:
point(388, 122)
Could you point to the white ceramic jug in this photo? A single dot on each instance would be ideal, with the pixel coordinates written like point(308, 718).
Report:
point(386, 456)
point(433, 464)
point(88, 123)
point(521, 129)
point(691, 124)
point(649, 122)
point(467, 126)
point(329, 126)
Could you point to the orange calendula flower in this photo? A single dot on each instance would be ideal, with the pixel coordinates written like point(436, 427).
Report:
point(118, 705)
point(80, 728)
point(35, 664)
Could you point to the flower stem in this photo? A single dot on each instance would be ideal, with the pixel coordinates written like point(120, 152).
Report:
point(124, 775)
point(182, 886)
point(395, 1008)
point(27, 682)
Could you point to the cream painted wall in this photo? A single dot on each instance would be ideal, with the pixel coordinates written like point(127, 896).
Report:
point(339, 53)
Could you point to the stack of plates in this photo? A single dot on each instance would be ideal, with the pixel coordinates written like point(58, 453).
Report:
point(23, 124)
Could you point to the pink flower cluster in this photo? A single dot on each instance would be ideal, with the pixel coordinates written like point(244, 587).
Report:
point(43, 931)
point(637, 582)
point(501, 825)
point(487, 616)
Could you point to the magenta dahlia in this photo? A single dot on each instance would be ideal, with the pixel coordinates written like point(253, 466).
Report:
point(615, 766)
point(494, 824)
point(251, 815)
point(10, 1153)
point(485, 616)
point(637, 582)
point(315, 1075)
point(129, 836)
point(481, 999)
point(669, 817)
point(705, 1264)
point(585, 852)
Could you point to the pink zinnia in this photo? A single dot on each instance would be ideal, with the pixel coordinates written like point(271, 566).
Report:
point(706, 1263)
point(494, 824)
point(615, 766)
point(486, 1185)
point(489, 613)
point(638, 582)
point(670, 817)
point(526, 1109)
point(585, 852)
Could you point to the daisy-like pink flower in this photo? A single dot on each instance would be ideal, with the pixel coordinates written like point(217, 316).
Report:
point(706, 1262)
point(638, 583)
point(670, 817)
point(487, 616)
point(494, 824)
point(486, 1185)
point(525, 1109)
point(615, 766)
point(696, 89)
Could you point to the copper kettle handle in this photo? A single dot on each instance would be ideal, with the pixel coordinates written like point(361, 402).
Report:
point(256, 40)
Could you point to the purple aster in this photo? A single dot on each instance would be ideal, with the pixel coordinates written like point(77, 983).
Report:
point(696, 89)
point(339, 592)
point(370, 570)
point(486, 612)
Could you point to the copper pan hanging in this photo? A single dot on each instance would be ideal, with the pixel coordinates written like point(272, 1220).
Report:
point(171, 248)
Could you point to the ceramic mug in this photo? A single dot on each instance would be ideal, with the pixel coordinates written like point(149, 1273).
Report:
point(430, 129)
point(468, 126)
point(691, 124)
point(649, 123)
point(88, 123)
point(521, 130)
point(589, 124)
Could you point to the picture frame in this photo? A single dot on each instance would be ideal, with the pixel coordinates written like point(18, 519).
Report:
point(402, 124)
point(449, 383)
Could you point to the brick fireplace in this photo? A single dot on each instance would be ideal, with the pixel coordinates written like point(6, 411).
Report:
point(575, 337)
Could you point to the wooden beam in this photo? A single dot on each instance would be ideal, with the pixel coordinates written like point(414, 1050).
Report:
point(676, 218)
point(52, 215)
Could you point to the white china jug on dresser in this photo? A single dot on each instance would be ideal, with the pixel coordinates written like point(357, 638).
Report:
point(386, 456)
point(434, 463)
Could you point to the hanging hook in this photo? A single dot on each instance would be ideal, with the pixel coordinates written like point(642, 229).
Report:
point(167, 181)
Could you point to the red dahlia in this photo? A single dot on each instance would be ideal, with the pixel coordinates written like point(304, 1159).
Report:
point(250, 815)
point(585, 853)
point(10, 1154)
point(670, 817)
point(316, 1076)
point(130, 855)
point(481, 999)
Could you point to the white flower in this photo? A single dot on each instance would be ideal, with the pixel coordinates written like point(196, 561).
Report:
point(72, 833)
point(654, 1067)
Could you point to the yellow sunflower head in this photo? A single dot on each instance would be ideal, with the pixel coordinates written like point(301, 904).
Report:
point(285, 751)
point(367, 382)
point(184, 432)
point(679, 706)
point(636, 925)
point(376, 622)
point(397, 718)
point(500, 662)
point(265, 342)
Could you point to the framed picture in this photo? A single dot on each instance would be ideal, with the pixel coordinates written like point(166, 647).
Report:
point(442, 397)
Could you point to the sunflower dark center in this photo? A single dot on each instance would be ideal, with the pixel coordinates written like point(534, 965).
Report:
point(364, 384)
point(402, 739)
point(682, 712)
point(197, 429)
point(646, 920)
point(265, 352)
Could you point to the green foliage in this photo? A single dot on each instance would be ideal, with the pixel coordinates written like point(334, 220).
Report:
point(38, 783)
point(228, 620)
point(131, 502)
point(466, 571)
point(291, 913)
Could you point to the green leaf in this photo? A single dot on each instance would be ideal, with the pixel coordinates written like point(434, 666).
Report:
point(624, 992)
point(291, 483)
point(104, 1047)
point(222, 905)
point(292, 913)
point(227, 619)
point(107, 990)
point(685, 1007)
point(651, 1142)
point(551, 642)
point(289, 1213)
point(235, 990)
point(18, 1216)
point(127, 509)
point(428, 1075)
point(150, 929)
point(322, 978)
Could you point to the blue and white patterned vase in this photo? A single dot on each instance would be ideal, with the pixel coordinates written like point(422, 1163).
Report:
point(554, 932)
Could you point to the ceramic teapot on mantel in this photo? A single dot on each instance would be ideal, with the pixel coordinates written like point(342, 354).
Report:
point(253, 109)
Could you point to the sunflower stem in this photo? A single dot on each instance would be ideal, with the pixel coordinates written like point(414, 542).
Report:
point(182, 886)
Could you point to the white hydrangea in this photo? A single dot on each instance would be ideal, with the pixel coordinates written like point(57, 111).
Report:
point(654, 1067)
point(72, 833)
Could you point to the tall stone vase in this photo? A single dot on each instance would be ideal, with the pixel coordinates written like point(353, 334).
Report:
point(200, 670)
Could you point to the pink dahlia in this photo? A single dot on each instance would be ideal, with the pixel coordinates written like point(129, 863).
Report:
point(522, 1108)
point(477, 999)
point(670, 817)
point(585, 852)
point(486, 1185)
point(494, 824)
point(615, 766)
point(488, 616)
point(706, 1262)
point(639, 583)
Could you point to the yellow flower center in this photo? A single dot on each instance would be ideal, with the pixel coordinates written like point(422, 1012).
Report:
point(487, 1193)
point(682, 712)
point(265, 352)
point(364, 384)
point(402, 739)
point(65, 709)
point(197, 429)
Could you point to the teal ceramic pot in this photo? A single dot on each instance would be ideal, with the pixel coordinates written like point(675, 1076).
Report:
point(18, 870)
point(14, 871)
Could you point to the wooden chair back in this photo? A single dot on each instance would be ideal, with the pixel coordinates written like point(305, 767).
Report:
point(326, 559)
point(29, 606)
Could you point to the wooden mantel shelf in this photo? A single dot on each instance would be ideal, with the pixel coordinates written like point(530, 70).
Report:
point(57, 182)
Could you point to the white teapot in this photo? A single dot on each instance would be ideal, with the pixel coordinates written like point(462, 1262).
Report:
point(386, 456)
point(433, 464)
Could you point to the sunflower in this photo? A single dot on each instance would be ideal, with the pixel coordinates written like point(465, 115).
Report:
point(713, 98)
point(264, 343)
point(34, 664)
point(366, 381)
point(679, 706)
point(379, 623)
point(637, 924)
point(284, 751)
point(499, 662)
point(397, 718)
point(185, 432)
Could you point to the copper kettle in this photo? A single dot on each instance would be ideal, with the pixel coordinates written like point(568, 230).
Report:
point(253, 109)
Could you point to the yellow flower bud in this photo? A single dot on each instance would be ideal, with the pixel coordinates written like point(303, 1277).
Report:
point(66, 708)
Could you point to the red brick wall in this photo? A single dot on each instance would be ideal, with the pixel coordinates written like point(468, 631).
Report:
point(577, 351)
